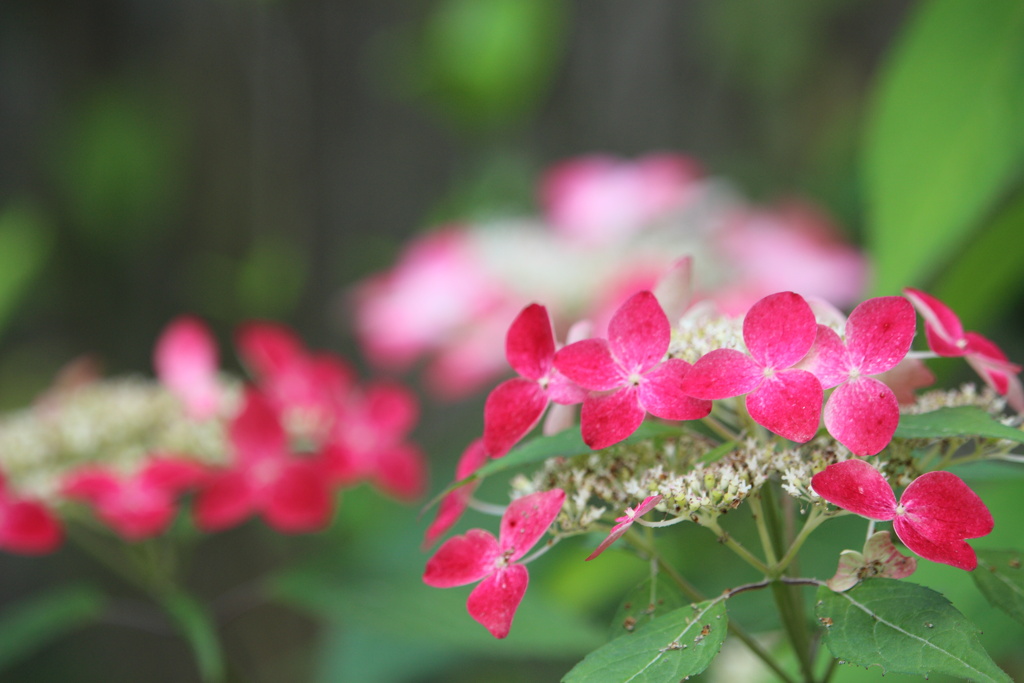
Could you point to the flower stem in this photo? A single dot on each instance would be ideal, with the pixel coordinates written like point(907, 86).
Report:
point(729, 542)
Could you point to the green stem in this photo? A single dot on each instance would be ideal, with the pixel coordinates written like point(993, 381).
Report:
point(814, 520)
point(762, 529)
point(729, 542)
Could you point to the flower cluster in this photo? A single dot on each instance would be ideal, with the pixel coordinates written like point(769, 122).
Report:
point(792, 391)
point(606, 228)
point(280, 446)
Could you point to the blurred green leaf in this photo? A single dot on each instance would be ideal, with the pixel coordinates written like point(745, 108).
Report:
point(672, 647)
point(903, 627)
point(487, 62)
point(400, 611)
point(965, 421)
point(647, 601)
point(270, 278)
point(944, 139)
point(25, 242)
point(1000, 578)
point(31, 624)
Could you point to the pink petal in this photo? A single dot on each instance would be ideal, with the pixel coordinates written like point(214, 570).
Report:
point(662, 395)
point(639, 333)
point(589, 363)
point(722, 373)
point(299, 500)
point(862, 415)
point(779, 329)
point(564, 391)
point(137, 513)
point(527, 519)
point(454, 504)
point(530, 344)
point(186, 363)
point(90, 484)
point(827, 360)
point(28, 527)
point(939, 505)
point(788, 404)
point(625, 522)
point(879, 332)
point(607, 419)
point(224, 501)
point(879, 549)
point(909, 375)
point(391, 408)
point(674, 290)
point(462, 559)
point(268, 348)
point(401, 472)
point(512, 409)
point(942, 326)
point(856, 486)
point(256, 432)
point(494, 602)
point(954, 552)
point(171, 474)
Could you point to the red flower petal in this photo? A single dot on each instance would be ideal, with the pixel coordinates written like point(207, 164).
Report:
point(943, 328)
point(268, 348)
point(224, 501)
point(722, 373)
point(856, 486)
point(607, 419)
point(879, 332)
point(788, 404)
point(494, 602)
point(454, 504)
point(527, 519)
point(940, 505)
point(400, 471)
point(779, 329)
point(661, 393)
point(624, 522)
point(299, 500)
point(256, 432)
point(956, 553)
point(639, 333)
point(512, 409)
point(462, 559)
point(589, 363)
point(827, 359)
point(530, 344)
point(862, 415)
point(28, 527)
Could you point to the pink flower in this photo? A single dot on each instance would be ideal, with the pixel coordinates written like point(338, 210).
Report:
point(27, 527)
point(515, 406)
point(778, 331)
point(946, 337)
point(601, 200)
point(627, 376)
point(368, 442)
point(454, 504)
point(879, 559)
point(138, 506)
point(291, 492)
point(478, 556)
point(933, 517)
point(623, 523)
point(186, 362)
point(862, 413)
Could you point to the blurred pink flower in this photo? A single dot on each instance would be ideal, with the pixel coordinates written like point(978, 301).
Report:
point(185, 359)
point(479, 556)
point(137, 506)
point(27, 526)
point(936, 512)
point(600, 199)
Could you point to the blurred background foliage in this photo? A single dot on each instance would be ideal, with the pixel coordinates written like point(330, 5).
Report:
point(255, 158)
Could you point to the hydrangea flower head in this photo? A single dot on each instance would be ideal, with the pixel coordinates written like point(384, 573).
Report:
point(936, 512)
point(778, 331)
point(479, 556)
point(862, 413)
point(627, 375)
point(515, 406)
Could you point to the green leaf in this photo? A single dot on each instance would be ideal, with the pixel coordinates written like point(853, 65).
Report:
point(30, 624)
point(678, 644)
point(198, 628)
point(645, 602)
point(961, 421)
point(905, 628)
point(944, 138)
point(25, 242)
point(1000, 579)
